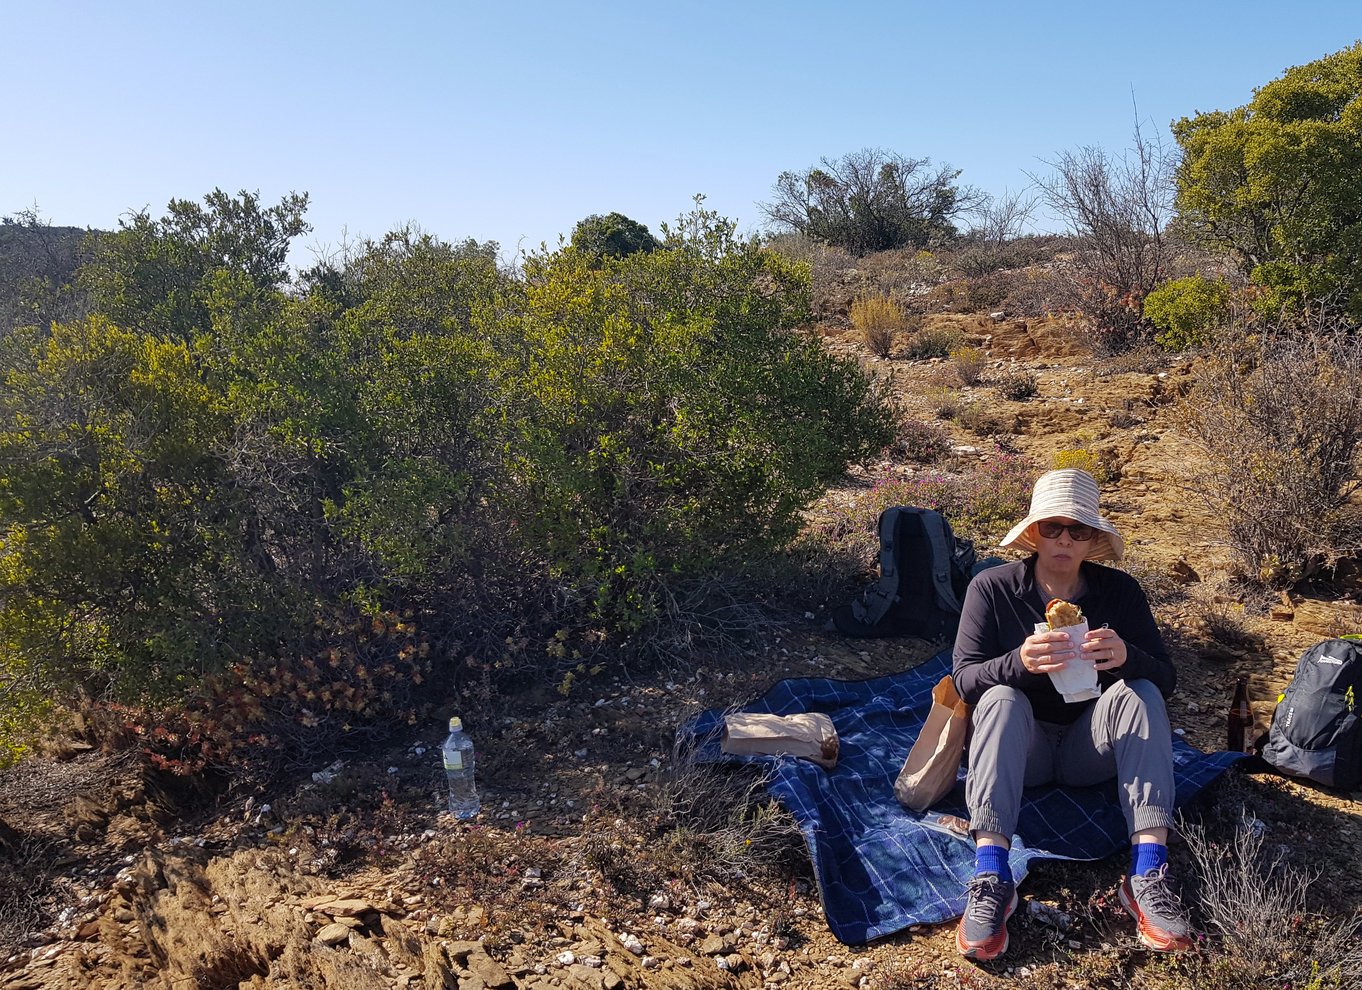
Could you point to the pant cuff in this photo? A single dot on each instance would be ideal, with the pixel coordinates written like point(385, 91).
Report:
point(1147, 818)
point(987, 821)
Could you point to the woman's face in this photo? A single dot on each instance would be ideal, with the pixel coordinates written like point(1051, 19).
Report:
point(1059, 551)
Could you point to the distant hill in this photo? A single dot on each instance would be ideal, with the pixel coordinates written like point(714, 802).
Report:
point(38, 265)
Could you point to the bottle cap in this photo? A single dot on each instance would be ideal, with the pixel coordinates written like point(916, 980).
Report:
point(455, 723)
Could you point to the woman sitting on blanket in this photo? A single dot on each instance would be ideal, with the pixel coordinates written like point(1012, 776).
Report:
point(1026, 733)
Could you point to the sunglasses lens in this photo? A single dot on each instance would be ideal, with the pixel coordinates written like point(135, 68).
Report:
point(1080, 532)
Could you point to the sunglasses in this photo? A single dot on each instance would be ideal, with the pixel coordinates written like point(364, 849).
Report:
point(1051, 530)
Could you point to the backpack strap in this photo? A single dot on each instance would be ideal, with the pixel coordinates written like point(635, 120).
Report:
point(943, 554)
point(880, 597)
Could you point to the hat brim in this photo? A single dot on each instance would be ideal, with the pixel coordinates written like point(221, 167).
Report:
point(1106, 545)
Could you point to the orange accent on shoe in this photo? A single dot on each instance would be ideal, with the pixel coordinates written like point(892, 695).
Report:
point(990, 948)
point(1158, 939)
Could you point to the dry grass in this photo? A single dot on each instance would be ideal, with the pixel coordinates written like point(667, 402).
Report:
point(969, 363)
point(878, 319)
point(1254, 905)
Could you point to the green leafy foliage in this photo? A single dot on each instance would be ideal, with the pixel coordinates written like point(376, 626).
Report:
point(194, 476)
point(1187, 311)
point(1277, 181)
point(164, 276)
point(612, 236)
point(871, 200)
point(669, 414)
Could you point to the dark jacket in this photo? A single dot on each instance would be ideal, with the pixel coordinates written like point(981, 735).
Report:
point(1003, 605)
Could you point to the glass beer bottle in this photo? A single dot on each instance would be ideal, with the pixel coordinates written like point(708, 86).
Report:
point(1240, 720)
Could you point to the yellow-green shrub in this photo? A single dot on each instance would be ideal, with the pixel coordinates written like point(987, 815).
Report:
point(877, 319)
point(1187, 311)
point(1098, 465)
point(969, 363)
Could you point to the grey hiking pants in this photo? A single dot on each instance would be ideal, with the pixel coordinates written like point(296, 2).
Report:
point(1123, 734)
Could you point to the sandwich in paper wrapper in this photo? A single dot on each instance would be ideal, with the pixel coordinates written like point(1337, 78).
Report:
point(808, 735)
point(1078, 680)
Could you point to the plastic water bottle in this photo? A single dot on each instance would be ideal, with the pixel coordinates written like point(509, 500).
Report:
point(458, 753)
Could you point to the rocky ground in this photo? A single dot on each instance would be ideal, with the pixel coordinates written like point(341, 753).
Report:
point(599, 860)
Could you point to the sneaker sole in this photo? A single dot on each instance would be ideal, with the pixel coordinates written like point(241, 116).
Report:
point(1157, 942)
point(980, 953)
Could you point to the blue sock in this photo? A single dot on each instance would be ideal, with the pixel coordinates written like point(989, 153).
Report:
point(992, 859)
point(1146, 856)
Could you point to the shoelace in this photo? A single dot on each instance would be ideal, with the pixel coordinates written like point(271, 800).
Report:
point(986, 898)
point(1160, 896)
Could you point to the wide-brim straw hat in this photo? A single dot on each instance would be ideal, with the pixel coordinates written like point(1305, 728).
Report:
point(1071, 493)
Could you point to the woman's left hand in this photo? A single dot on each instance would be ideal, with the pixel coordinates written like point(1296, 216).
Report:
point(1105, 648)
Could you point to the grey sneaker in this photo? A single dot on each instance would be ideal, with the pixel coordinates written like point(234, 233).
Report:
point(1159, 917)
point(982, 934)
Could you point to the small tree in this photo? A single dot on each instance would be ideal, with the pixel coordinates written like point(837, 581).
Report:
point(1119, 208)
point(871, 200)
point(1277, 182)
point(166, 277)
point(612, 236)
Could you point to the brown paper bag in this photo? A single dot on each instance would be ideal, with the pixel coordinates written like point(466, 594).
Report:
point(930, 770)
point(809, 735)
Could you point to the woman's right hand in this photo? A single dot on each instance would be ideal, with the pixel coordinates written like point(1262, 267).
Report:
point(1043, 652)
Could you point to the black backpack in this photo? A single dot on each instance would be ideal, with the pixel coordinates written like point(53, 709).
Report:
point(924, 569)
point(1316, 729)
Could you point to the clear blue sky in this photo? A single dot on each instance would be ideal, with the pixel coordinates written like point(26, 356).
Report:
point(512, 121)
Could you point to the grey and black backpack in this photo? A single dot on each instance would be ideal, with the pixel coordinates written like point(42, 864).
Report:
point(924, 569)
point(1316, 729)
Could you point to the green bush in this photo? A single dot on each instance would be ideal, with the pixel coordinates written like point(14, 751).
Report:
point(612, 236)
point(506, 456)
point(669, 416)
point(1187, 311)
point(1276, 182)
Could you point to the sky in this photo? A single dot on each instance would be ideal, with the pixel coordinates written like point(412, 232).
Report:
point(511, 122)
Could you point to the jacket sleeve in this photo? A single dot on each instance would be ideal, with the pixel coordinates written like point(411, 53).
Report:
point(982, 658)
point(1146, 656)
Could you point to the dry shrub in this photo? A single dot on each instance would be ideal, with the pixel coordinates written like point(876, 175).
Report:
point(981, 419)
point(1144, 360)
point(878, 319)
point(1018, 386)
point(919, 442)
point(902, 272)
point(27, 868)
point(932, 342)
point(696, 822)
point(943, 400)
point(1278, 419)
point(1254, 904)
point(969, 363)
point(981, 501)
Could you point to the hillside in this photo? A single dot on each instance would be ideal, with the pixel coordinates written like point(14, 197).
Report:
point(598, 859)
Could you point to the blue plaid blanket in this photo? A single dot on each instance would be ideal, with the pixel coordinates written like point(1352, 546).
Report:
point(881, 867)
